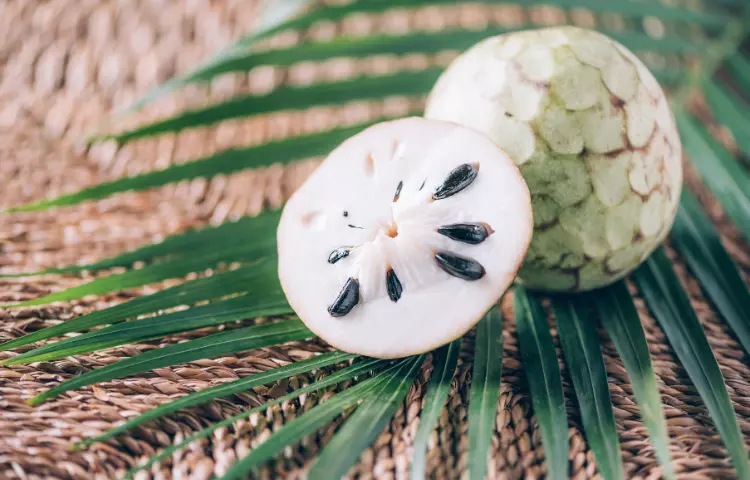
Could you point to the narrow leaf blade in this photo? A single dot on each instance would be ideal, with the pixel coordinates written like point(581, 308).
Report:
point(583, 356)
point(620, 318)
point(671, 306)
point(306, 424)
point(699, 244)
point(545, 383)
point(188, 293)
point(265, 303)
point(366, 423)
point(210, 346)
point(290, 98)
point(485, 390)
point(224, 390)
point(726, 178)
point(272, 20)
point(222, 163)
point(445, 360)
point(359, 368)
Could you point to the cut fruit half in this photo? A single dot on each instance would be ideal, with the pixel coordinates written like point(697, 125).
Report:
point(404, 237)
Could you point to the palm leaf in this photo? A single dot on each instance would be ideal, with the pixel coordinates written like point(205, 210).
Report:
point(226, 389)
point(729, 110)
point(726, 178)
point(223, 62)
point(366, 423)
point(445, 360)
point(485, 390)
point(188, 293)
point(315, 418)
point(246, 306)
point(360, 368)
point(210, 346)
point(620, 318)
point(700, 246)
point(670, 305)
point(273, 19)
point(739, 67)
point(177, 245)
point(224, 162)
point(290, 98)
point(543, 376)
point(263, 249)
point(410, 43)
point(583, 356)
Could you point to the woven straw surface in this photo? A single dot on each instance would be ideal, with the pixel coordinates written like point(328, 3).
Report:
point(64, 64)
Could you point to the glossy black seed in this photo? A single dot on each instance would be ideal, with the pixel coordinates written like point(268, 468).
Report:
point(346, 214)
point(347, 299)
point(458, 179)
point(338, 254)
point(393, 285)
point(472, 233)
point(356, 226)
point(458, 266)
point(398, 191)
point(422, 186)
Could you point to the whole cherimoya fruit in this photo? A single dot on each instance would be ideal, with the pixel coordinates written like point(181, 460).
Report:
point(593, 136)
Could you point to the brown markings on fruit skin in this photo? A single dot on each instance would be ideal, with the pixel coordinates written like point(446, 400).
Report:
point(541, 85)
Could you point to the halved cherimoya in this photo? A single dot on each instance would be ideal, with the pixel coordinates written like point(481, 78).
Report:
point(404, 237)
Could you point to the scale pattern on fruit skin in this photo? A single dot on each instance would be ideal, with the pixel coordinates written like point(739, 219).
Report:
point(591, 132)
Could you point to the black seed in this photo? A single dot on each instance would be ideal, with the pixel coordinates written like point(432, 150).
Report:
point(393, 284)
point(458, 179)
point(356, 226)
point(346, 214)
point(398, 191)
point(338, 254)
point(347, 299)
point(472, 233)
point(422, 186)
point(458, 266)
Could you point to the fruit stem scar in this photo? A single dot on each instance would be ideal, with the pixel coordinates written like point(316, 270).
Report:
point(460, 267)
point(393, 285)
point(458, 179)
point(347, 299)
point(471, 233)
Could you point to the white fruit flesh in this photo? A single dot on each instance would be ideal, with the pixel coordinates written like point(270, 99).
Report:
point(349, 202)
point(593, 135)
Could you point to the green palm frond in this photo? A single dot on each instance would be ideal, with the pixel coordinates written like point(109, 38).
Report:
point(188, 293)
point(701, 247)
point(545, 383)
point(366, 423)
point(620, 318)
point(360, 368)
point(322, 414)
point(210, 346)
point(670, 305)
point(692, 41)
point(485, 390)
point(583, 356)
point(444, 361)
point(726, 178)
point(226, 389)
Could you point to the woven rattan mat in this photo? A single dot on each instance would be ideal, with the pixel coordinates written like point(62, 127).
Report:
point(63, 65)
